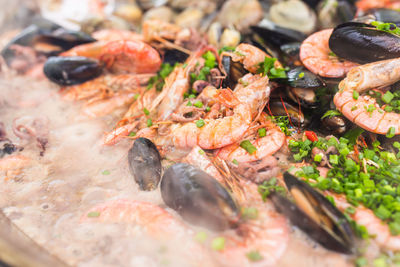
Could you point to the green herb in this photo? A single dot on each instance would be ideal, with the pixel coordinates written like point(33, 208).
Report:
point(248, 146)
point(159, 80)
point(200, 123)
point(380, 262)
point(136, 96)
point(318, 158)
point(301, 75)
point(249, 213)
point(254, 256)
point(189, 104)
point(201, 237)
point(270, 186)
point(361, 262)
point(146, 111)
point(149, 123)
point(132, 134)
point(210, 59)
point(331, 113)
point(331, 54)
point(208, 109)
point(234, 161)
point(353, 108)
point(201, 152)
point(386, 27)
point(226, 48)
point(106, 172)
point(198, 104)
point(387, 97)
point(355, 95)
point(353, 134)
point(283, 123)
point(391, 132)
point(267, 68)
point(262, 132)
point(93, 214)
point(218, 243)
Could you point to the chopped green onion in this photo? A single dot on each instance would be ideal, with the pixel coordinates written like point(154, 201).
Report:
point(146, 111)
point(201, 237)
point(249, 213)
point(355, 95)
point(254, 256)
point(106, 172)
point(234, 161)
point(262, 132)
point(198, 104)
point(218, 243)
point(387, 97)
point(201, 152)
point(248, 146)
point(200, 123)
point(132, 134)
point(391, 132)
point(93, 214)
point(301, 75)
point(149, 123)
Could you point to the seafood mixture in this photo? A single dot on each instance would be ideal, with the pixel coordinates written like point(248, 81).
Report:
point(203, 133)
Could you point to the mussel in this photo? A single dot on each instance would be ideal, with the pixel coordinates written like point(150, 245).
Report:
point(46, 38)
point(71, 70)
point(234, 71)
point(279, 107)
point(198, 197)
point(145, 164)
point(315, 215)
point(386, 15)
point(334, 125)
point(363, 43)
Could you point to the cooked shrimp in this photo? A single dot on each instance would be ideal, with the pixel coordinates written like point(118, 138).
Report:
point(116, 35)
point(154, 220)
point(265, 146)
point(316, 56)
point(131, 118)
point(12, 166)
point(220, 132)
point(365, 5)
point(267, 235)
point(375, 226)
point(250, 56)
point(364, 111)
point(105, 106)
point(126, 56)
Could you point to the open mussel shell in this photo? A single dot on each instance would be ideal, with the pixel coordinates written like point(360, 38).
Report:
point(71, 70)
point(316, 216)
point(173, 56)
point(336, 125)
point(198, 197)
point(145, 164)
point(363, 43)
point(234, 71)
point(278, 107)
point(306, 97)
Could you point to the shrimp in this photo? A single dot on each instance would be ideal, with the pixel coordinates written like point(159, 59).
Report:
point(365, 5)
point(374, 225)
point(115, 35)
point(250, 56)
point(12, 166)
point(265, 146)
point(220, 132)
point(122, 56)
point(130, 120)
point(364, 111)
point(268, 235)
point(145, 215)
point(316, 56)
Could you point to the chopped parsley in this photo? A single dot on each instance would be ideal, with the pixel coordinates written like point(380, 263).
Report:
point(270, 186)
point(331, 113)
point(159, 80)
point(386, 27)
point(267, 68)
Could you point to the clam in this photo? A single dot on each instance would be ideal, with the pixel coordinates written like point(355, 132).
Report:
point(71, 70)
point(293, 14)
point(334, 12)
point(315, 216)
point(240, 14)
point(145, 164)
point(363, 43)
point(198, 197)
point(221, 37)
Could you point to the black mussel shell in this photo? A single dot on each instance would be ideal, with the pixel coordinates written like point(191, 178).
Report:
point(198, 197)
point(65, 39)
point(338, 236)
point(234, 71)
point(71, 70)
point(277, 107)
point(290, 53)
point(277, 36)
point(386, 15)
point(306, 97)
point(145, 164)
point(363, 43)
point(300, 77)
point(173, 56)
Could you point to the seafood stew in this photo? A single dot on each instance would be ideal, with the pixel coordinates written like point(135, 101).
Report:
point(200, 133)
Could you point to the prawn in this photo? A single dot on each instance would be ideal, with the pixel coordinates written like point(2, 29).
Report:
point(373, 224)
point(122, 56)
point(250, 56)
point(365, 5)
point(265, 146)
point(220, 132)
point(267, 235)
point(363, 110)
point(317, 57)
